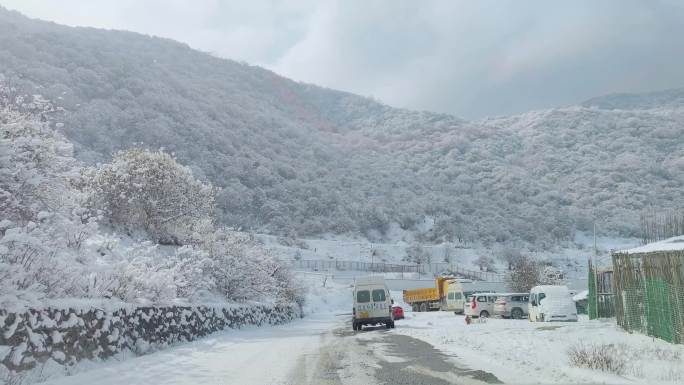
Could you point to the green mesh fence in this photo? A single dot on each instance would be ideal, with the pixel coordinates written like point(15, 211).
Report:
point(592, 309)
point(658, 309)
point(633, 307)
point(649, 294)
point(600, 297)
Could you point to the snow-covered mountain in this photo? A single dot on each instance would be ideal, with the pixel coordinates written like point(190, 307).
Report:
point(297, 158)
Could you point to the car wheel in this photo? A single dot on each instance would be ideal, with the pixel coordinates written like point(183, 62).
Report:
point(516, 313)
point(484, 314)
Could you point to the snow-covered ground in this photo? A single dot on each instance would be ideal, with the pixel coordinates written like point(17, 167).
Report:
point(570, 258)
point(518, 351)
point(253, 356)
point(322, 349)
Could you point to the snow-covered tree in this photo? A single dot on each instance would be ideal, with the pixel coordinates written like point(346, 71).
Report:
point(149, 191)
point(524, 275)
point(51, 245)
point(42, 225)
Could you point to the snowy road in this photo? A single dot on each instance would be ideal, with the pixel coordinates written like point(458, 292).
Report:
point(317, 350)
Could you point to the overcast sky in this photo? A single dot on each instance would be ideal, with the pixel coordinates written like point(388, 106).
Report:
point(470, 58)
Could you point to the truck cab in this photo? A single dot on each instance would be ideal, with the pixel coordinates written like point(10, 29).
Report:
point(372, 303)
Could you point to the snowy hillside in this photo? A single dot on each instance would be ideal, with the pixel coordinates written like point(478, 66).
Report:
point(300, 160)
point(138, 230)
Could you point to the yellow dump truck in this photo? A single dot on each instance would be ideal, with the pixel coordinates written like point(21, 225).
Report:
point(446, 295)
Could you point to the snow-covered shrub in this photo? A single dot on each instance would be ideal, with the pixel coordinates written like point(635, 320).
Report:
point(242, 270)
point(606, 357)
point(149, 191)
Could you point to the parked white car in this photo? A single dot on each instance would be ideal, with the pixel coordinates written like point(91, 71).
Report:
point(551, 303)
point(372, 303)
point(480, 304)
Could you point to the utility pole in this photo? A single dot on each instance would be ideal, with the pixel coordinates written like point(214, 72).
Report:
point(595, 249)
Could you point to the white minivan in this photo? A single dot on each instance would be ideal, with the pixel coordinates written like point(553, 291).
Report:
point(454, 298)
point(480, 304)
point(372, 303)
point(551, 303)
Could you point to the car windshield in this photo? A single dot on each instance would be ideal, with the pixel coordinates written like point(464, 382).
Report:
point(341, 192)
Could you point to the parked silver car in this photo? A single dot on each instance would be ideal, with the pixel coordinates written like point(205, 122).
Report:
point(512, 305)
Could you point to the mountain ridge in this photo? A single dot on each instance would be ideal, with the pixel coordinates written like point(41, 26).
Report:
point(297, 159)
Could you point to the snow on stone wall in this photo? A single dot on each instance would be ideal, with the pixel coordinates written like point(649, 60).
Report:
point(69, 335)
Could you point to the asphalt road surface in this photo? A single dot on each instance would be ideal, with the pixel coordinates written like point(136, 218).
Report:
point(320, 350)
point(379, 356)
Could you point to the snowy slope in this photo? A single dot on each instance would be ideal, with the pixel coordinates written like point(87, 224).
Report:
point(297, 159)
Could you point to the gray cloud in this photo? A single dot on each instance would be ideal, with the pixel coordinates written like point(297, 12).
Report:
point(470, 58)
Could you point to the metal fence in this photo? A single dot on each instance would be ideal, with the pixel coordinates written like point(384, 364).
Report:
point(382, 267)
point(649, 293)
point(601, 296)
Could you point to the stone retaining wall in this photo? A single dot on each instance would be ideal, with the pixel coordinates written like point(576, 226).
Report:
point(71, 335)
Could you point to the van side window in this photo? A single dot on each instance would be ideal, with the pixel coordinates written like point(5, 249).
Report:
point(482, 298)
point(362, 296)
point(492, 299)
point(457, 295)
point(378, 295)
point(450, 296)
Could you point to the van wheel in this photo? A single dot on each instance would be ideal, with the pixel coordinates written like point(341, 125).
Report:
point(516, 313)
point(423, 306)
point(484, 314)
point(388, 325)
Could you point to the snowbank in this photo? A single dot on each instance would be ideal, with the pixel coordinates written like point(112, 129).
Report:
point(513, 349)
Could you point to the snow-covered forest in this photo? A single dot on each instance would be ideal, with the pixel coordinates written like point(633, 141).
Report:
point(139, 229)
point(297, 159)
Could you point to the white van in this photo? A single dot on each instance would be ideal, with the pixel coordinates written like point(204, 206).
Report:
point(454, 298)
point(484, 304)
point(551, 303)
point(372, 303)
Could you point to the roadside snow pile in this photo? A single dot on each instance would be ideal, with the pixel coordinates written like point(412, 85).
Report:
point(325, 295)
point(36, 339)
point(512, 350)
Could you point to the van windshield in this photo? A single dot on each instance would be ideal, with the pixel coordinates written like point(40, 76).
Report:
point(378, 295)
point(362, 296)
